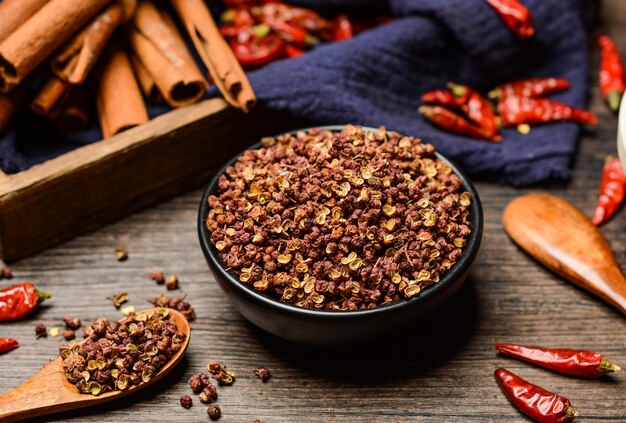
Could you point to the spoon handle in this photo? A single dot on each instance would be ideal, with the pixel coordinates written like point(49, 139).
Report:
point(40, 395)
point(563, 239)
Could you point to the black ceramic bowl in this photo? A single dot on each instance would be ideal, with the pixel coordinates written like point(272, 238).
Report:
point(335, 327)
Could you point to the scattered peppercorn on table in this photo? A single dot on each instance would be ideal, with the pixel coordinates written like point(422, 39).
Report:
point(441, 372)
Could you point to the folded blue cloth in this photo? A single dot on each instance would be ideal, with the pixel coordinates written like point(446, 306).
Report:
point(377, 78)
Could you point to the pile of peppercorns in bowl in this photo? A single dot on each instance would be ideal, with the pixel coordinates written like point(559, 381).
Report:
point(336, 234)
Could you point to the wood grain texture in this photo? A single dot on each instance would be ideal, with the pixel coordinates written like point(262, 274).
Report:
point(441, 371)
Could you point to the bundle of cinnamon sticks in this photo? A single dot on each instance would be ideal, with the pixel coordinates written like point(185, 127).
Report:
point(123, 52)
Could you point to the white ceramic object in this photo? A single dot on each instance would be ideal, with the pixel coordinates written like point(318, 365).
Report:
point(621, 133)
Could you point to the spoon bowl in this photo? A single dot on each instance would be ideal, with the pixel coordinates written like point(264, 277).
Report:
point(563, 239)
point(50, 392)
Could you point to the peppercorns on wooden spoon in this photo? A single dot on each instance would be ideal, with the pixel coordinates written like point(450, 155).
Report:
point(50, 391)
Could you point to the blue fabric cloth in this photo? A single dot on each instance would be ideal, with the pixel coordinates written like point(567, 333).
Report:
point(377, 78)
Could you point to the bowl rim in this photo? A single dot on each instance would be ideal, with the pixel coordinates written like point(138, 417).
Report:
point(457, 270)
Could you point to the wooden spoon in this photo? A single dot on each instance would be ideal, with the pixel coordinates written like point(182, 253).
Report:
point(49, 391)
point(563, 239)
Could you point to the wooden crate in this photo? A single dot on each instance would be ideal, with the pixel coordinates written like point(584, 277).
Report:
point(99, 183)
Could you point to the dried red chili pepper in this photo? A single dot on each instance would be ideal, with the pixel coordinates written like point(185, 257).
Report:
point(18, 301)
point(612, 75)
point(241, 3)
point(293, 51)
point(517, 110)
point(515, 16)
point(533, 87)
point(303, 18)
point(452, 122)
point(252, 51)
point(581, 363)
point(8, 344)
point(475, 106)
point(238, 17)
point(290, 33)
point(441, 98)
point(612, 191)
point(343, 28)
point(534, 401)
point(230, 31)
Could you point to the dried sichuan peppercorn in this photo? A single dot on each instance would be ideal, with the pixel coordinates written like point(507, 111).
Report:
point(198, 382)
point(186, 401)
point(214, 412)
point(6, 273)
point(533, 87)
point(262, 373)
point(19, 301)
point(612, 191)
point(158, 277)
point(209, 394)
point(455, 123)
point(179, 304)
point(119, 299)
point(612, 74)
point(41, 331)
point(8, 344)
point(69, 334)
point(172, 282)
point(534, 401)
point(121, 253)
point(581, 363)
point(71, 322)
point(515, 16)
point(516, 110)
point(121, 355)
point(339, 220)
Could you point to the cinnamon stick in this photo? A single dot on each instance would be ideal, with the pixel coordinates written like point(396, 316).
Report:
point(119, 101)
point(51, 98)
point(13, 13)
point(74, 61)
point(164, 55)
point(74, 115)
point(147, 84)
point(42, 33)
point(9, 104)
point(217, 56)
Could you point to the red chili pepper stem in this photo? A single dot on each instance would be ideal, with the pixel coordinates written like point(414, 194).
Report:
point(608, 367)
point(261, 30)
point(571, 413)
point(613, 100)
point(43, 296)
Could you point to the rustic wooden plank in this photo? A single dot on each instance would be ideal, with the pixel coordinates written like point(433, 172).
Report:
point(439, 372)
point(101, 182)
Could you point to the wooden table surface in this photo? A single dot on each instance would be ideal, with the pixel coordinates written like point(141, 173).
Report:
point(442, 371)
